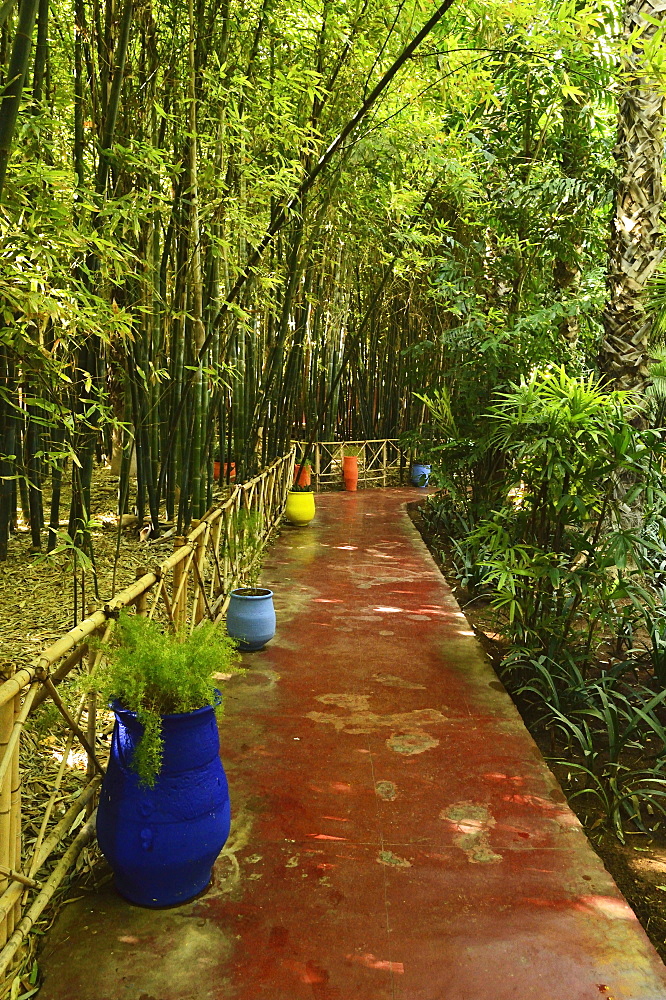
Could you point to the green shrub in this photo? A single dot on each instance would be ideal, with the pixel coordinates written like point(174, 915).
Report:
point(565, 545)
point(154, 673)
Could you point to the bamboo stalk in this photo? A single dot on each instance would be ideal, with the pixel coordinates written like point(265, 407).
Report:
point(168, 606)
point(178, 574)
point(16, 75)
point(8, 900)
point(201, 597)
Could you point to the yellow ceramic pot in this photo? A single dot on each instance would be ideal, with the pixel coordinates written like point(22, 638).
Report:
point(300, 507)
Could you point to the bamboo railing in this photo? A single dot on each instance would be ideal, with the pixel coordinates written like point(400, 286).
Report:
point(378, 461)
point(222, 550)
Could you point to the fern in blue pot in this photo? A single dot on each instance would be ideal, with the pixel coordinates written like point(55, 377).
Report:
point(164, 810)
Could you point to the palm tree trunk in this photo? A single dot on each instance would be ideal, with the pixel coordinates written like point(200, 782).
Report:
point(635, 246)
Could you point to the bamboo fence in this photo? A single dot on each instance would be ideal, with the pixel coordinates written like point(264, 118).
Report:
point(379, 461)
point(222, 550)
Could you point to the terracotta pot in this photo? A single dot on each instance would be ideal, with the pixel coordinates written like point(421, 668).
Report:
point(350, 472)
point(216, 470)
point(305, 477)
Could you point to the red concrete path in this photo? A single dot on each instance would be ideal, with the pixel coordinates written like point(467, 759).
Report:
point(397, 834)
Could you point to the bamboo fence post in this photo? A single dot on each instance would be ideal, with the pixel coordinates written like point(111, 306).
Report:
point(69, 858)
point(216, 583)
point(15, 826)
point(198, 602)
point(236, 555)
point(261, 505)
point(317, 458)
point(384, 458)
point(91, 728)
point(179, 600)
point(6, 726)
point(226, 563)
point(18, 720)
point(141, 603)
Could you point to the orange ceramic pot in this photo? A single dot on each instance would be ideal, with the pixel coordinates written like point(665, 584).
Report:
point(216, 470)
point(350, 472)
point(305, 477)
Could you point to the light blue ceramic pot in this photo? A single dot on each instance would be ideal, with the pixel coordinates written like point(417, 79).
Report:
point(418, 473)
point(251, 617)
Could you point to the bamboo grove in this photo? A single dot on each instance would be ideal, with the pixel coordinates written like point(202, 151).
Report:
point(456, 238)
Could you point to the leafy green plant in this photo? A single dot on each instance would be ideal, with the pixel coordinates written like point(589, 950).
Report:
point(154, 673)
point(552, 685)
point(654, 620)
point(614, 734)
point(610, 722)
point(438, 403)
point(422, 443)
point(623, 794)
point(561, 549)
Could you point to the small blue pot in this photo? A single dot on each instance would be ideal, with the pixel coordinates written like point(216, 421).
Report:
point(418, 472)
point(162, 842)
point(251, 617)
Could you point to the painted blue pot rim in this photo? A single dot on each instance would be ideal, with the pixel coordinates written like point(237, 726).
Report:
point(265, 592)
point(120, 709)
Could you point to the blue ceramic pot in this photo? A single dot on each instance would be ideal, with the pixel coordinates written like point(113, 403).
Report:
point(418, 472)
point(251, 617)
point(162, 842)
